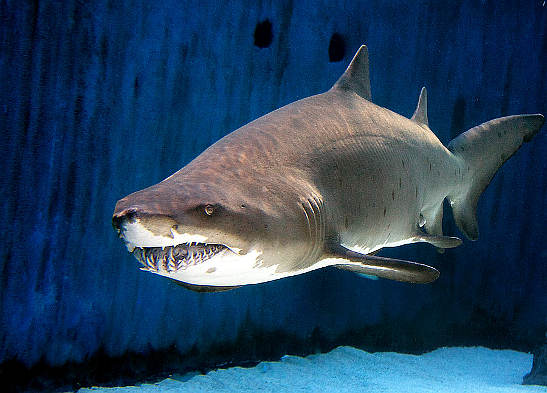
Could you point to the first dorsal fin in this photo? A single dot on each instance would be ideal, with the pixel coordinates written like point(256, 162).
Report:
point(356, 77)
point(420, 114)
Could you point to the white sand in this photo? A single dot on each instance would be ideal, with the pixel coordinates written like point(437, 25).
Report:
point(347, 369)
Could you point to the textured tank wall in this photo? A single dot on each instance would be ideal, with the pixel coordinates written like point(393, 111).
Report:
point(99, 99)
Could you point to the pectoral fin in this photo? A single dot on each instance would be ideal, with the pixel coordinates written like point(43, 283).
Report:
point(203, 288)
point(439, 240)
point(392, 269)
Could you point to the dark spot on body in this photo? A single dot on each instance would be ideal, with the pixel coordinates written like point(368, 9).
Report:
point(346, 222)
point(429, 167)
point(337, 48)
point(263, 35)
point(243, 206)
point(403, 161)
point(385, 210)
point(399, 182)
point(416, 191)
point(393, 194)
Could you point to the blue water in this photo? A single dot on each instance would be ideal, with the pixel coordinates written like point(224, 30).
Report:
point(99, 99)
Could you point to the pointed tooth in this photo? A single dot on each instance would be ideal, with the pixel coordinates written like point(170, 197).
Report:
point(150, 262)
point(165, 264)
point(138, 255)
point(171, 265)
point(160, 262)
point(168, 260)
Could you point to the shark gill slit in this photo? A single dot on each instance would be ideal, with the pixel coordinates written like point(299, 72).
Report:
point(320, 233)
point(305, 209)
point(315, 229)
point(312, 209)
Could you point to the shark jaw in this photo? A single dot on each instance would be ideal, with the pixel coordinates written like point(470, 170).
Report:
point(204, 265)
point(188, 258)
point(177, 257)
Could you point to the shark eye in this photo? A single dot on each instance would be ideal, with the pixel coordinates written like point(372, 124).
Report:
point(209, 209)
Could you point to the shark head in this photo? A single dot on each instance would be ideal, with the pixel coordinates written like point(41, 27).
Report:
point(204, 230)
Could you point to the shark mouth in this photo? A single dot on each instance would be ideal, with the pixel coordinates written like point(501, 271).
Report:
point(174, 258)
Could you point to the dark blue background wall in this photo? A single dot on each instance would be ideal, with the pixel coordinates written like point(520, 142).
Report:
point(101, 98)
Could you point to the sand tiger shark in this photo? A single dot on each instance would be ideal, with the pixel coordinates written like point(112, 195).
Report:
point(324, 181)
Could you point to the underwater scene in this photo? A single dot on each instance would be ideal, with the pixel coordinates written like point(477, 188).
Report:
point(274, 196)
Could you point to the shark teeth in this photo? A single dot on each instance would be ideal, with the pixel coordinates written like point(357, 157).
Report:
point(173, 258)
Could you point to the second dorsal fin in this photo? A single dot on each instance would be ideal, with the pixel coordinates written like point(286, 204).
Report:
point(420, 114)
point(356, 77)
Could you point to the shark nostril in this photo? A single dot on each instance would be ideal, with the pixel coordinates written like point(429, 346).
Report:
point(131, 215)
point(128, 215)
point(117, 223)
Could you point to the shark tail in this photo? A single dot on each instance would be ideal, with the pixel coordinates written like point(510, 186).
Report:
point(483, 150)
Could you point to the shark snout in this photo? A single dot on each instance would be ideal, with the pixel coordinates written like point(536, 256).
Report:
point(146, 207)
point(121, 217)
point(133, 222)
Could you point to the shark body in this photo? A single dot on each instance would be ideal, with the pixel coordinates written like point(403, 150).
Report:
point(327, 180)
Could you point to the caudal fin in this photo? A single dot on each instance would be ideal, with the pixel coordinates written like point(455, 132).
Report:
point(483, 150)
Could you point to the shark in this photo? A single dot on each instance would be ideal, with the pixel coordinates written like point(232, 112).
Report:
point(328, 180)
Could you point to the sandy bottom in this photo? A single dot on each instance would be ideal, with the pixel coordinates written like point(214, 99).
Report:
point(347, 369)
